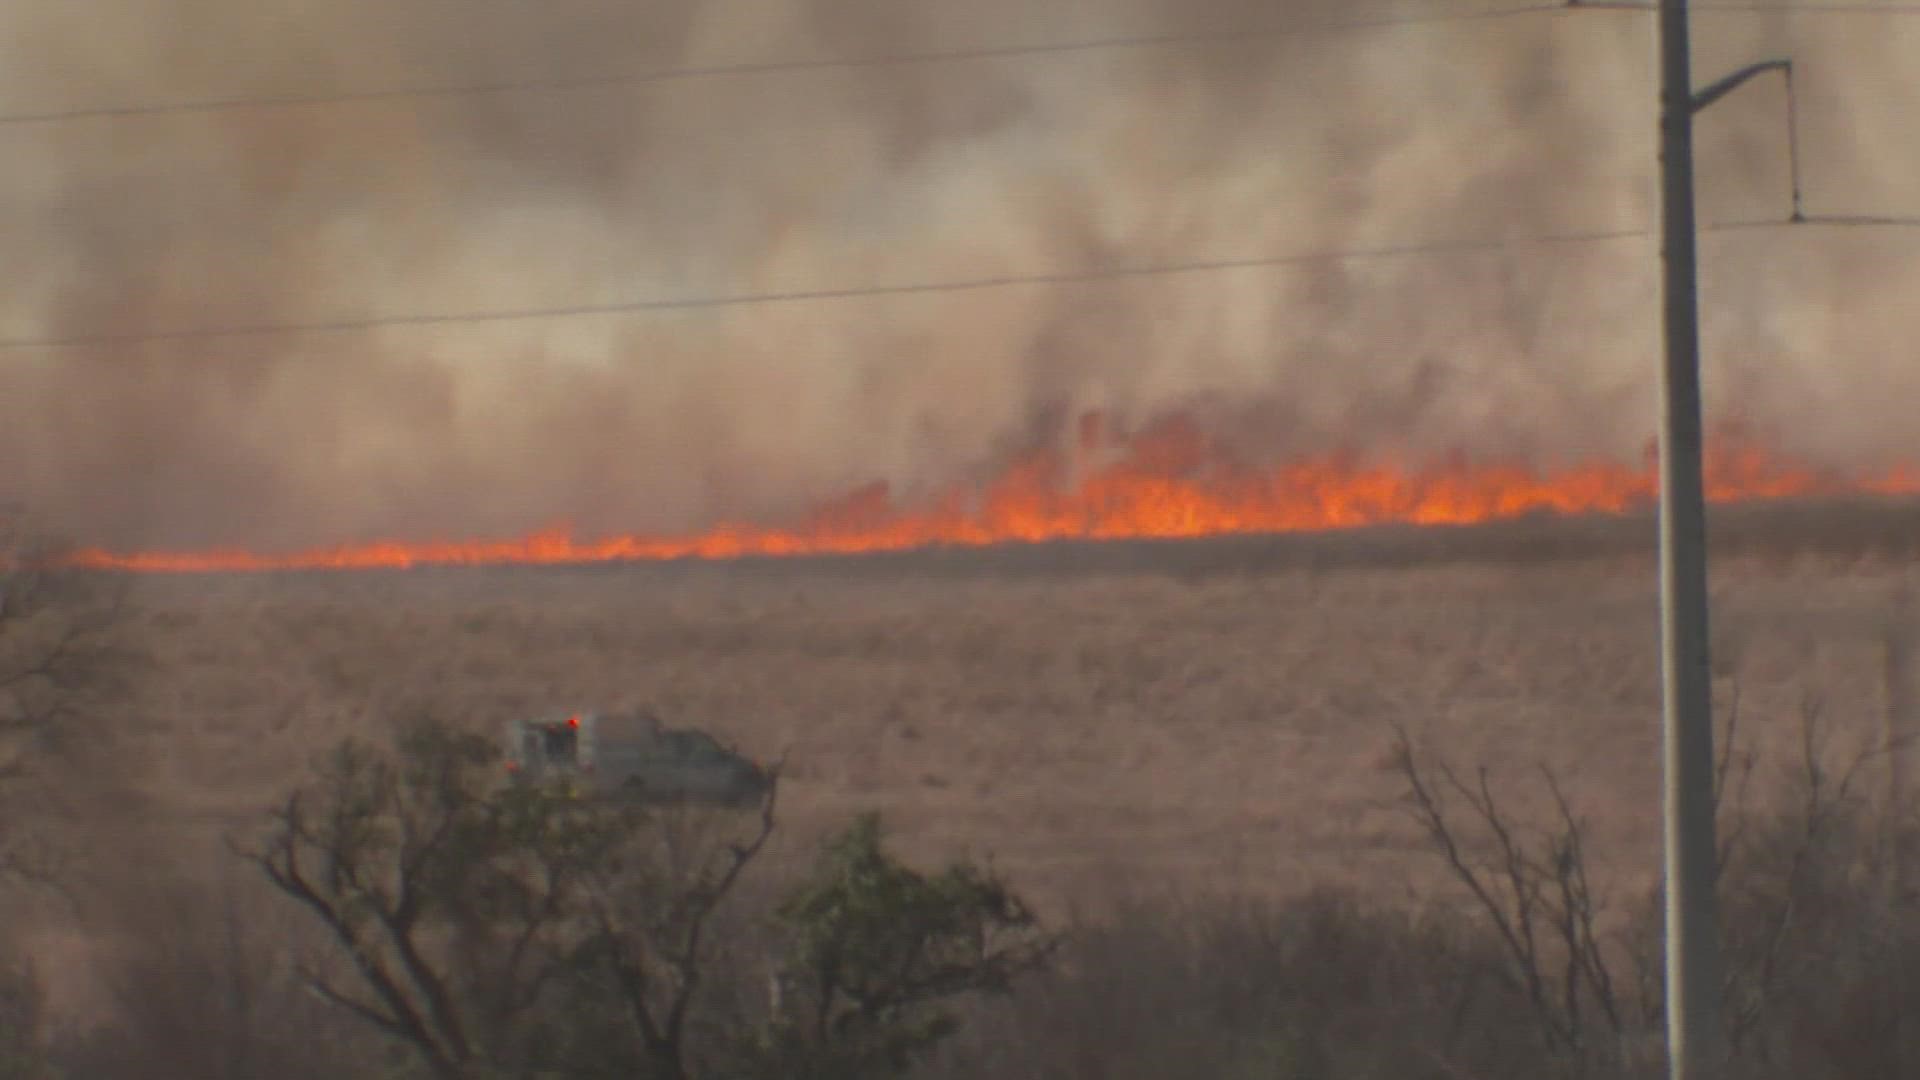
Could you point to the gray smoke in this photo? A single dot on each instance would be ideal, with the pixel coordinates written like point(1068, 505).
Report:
point(887, 174)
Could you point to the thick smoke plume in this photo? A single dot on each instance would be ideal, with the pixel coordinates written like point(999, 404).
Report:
point(1429, 133)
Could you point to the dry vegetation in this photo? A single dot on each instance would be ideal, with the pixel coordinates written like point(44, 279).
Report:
point(1123, 744)
point(1220, 732)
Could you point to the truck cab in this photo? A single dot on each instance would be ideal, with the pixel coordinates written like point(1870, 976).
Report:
point(631, 759)
point(551, 747)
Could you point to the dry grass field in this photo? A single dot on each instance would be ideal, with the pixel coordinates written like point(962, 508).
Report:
point(1092, 728)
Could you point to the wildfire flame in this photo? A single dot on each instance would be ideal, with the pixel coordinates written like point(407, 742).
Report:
point(1169, 482)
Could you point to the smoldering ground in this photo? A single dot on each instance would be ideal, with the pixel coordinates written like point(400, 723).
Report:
point(526, 198)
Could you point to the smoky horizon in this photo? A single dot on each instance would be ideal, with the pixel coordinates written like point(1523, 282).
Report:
point(291, 169)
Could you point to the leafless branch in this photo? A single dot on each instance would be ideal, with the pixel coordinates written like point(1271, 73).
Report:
point(1536, 895)
point(399, 1015)
point(668, 950)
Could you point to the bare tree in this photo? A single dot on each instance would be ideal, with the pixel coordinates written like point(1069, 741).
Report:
point(494, 927)
point(48, 638)
point(59, 654)
point(652, 922)
point(1780, 869)
point(1533, 888)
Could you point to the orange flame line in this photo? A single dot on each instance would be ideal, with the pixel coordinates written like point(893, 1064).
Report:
point(1168, 483)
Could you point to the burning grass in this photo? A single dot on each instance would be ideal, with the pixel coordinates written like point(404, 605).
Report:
point(1225, 725)
point(1168, 481)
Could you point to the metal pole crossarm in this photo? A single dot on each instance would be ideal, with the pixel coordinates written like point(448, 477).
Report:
point(1734, 81)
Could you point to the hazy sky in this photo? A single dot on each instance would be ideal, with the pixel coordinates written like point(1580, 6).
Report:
point(1426, 133)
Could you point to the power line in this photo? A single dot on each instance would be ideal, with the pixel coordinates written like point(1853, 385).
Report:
point(974, 284)
point(1837, 221)
point(1792, 7)
point(775, 67)
point(1749, 7)
point(1001, 281)
point(1867, 220)
point(806, 295)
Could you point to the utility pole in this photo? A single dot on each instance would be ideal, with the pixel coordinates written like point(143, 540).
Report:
point(1696, 1039)
point(1695, 1036)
